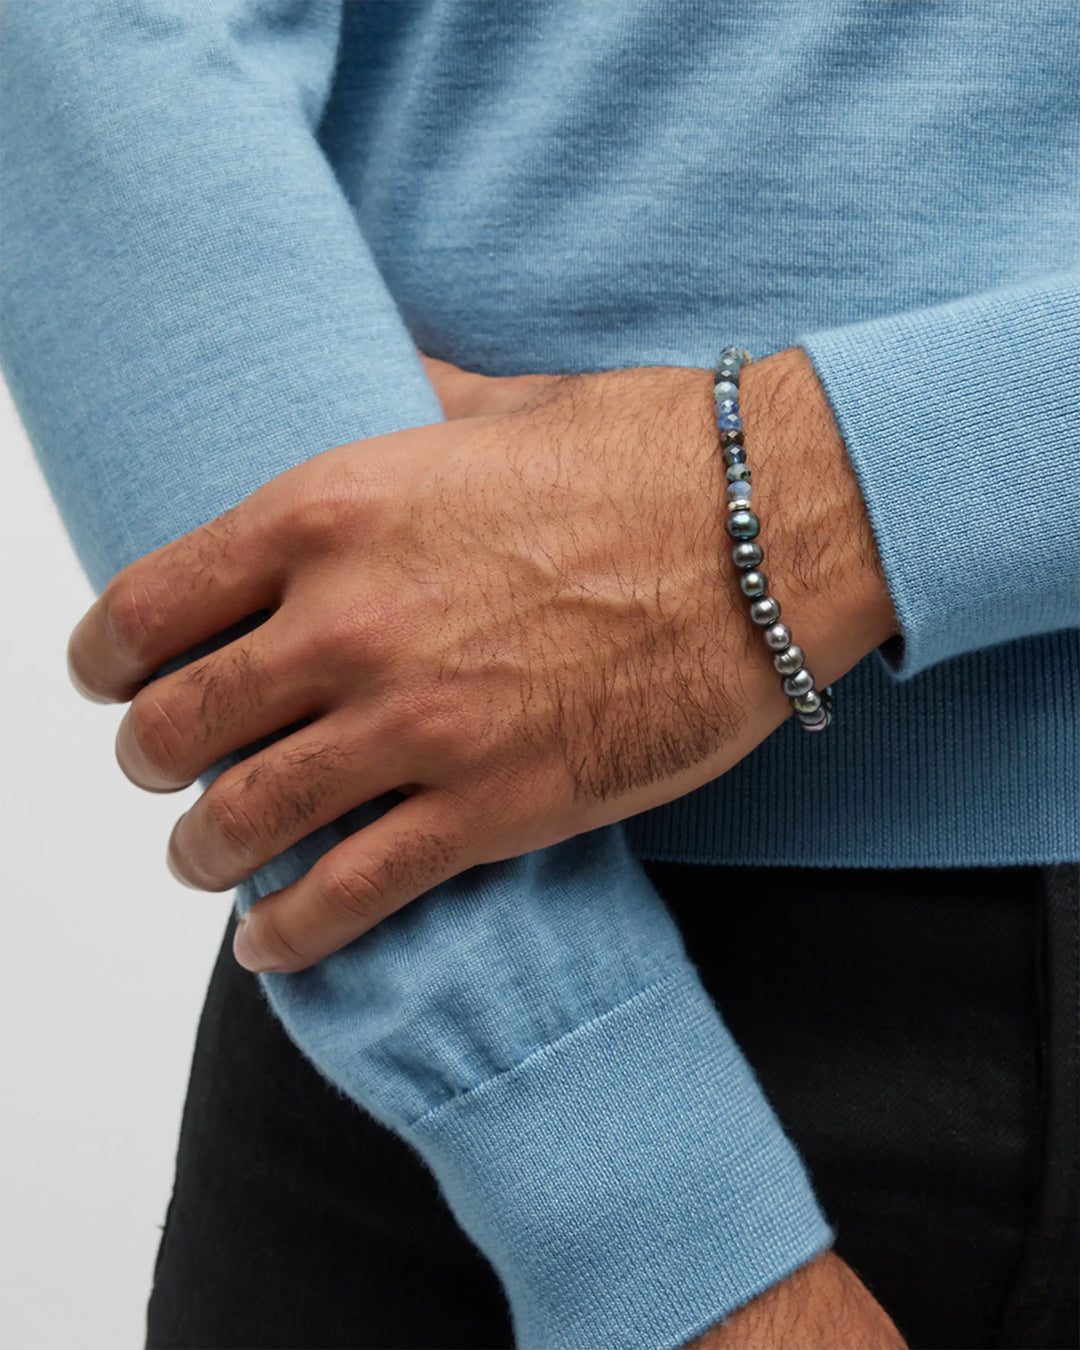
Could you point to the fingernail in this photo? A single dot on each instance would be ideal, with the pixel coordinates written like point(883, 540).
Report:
point(244, 949)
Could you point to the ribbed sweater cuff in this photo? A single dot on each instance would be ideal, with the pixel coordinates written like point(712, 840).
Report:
point(961, 423)
point(619, 1202)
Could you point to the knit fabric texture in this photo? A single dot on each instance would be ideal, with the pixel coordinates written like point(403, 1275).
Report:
point(227, 225)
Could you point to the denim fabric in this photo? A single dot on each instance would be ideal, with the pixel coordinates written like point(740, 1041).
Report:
point(226, 225)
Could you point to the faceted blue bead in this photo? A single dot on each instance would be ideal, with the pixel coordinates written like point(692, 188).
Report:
point(739, 492)
point(738, 473)
point(734, 454)
point(726, 405)
point(724, 389)
point(729, 421)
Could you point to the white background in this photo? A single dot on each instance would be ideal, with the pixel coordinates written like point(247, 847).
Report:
point(105, 961)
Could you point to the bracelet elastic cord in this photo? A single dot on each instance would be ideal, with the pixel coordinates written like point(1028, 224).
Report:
point(813, 709)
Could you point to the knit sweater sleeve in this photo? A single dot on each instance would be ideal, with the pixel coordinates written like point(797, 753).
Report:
point(189, 310)
point(962, 423)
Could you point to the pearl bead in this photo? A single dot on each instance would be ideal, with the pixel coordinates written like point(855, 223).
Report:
point(743, 525)
point(807, 703)
point(788, 662)
point(818, 721)
point(723, 389)
point(766, 610)
point(747, 555)
point(753, 583)
point(738, 473)
point(778, 637)
point(799, 683)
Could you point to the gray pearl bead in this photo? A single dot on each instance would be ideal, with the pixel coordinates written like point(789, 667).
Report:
point(738, 473)
point(807, 703)
point(818, 723)
point(778, 637)
point(747, 555)
point(743, 525)
point(789, 661)
point(799, 683)
point(753, 583)
point(766, 610)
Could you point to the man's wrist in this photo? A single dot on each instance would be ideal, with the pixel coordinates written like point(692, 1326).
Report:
point(823, 560)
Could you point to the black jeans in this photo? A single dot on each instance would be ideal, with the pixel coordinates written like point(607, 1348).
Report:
point(916, 1032)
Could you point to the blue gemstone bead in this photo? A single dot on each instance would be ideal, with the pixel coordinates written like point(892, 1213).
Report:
point(730, 421)
point(726, 405)
point(724, 389)
point(738, 473)
point(743, 525)
point(739, 492)
point(734, 454)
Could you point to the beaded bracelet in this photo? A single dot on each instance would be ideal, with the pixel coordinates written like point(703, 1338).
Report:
point(813, 709)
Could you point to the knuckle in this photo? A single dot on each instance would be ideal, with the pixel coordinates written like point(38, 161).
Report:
point(358, 633)
point(322, 510)
point(353, 891)
point(231, 823)
point(132, 616)
point(157, 737)
point(273, 946)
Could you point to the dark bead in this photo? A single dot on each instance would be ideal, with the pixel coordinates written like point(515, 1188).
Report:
point(747, 556)
point(734, 454)
point(799, 683)
point(789, 660)
point(743, 525)
point(753, 583)
point(777, 637)
point(731, 438)
point(765, 611)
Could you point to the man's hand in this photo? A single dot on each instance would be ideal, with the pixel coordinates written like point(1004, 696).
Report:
point(524, 621)
point(821, 1306)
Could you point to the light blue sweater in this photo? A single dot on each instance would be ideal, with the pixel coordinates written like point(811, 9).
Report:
point(225, 225)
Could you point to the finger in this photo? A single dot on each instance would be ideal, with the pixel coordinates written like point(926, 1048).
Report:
point(459, 391)
point(413, 847)
point(169, 600)
point(258, 808)
point(180, 724)
point(463, 393)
